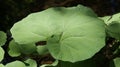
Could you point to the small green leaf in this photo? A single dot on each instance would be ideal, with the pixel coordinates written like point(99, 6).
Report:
point(27, 48)
point(15, 64)
point(113, 25)
point(3, 38)
point(113, 29)
point(42, 50)
point(14, 50)
point(1, 54)
point(1, 65)
point(31, 63)
point(115, 63)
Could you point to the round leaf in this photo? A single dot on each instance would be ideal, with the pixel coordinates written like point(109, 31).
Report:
point(79, 39)
point(113, 25)
point(42, 50)
point(1, 65)
point(31, 63)
point(72, 34)
point(2, 38)
point(14, 49)
point(27, 48)
point(113, 29)
point(15, 64)
point(1, 54)
point(41, 25)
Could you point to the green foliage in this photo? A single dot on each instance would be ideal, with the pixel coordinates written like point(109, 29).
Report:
point(2, 38)
point(73, 36)
point(27, 48)
point(16, 49)
point(113, 25)
point(115, 63)
point(1, 54)
point(67, 37)
point(15, 64)
point(1, 65)
point(42, 50)
point(2, 42)
point(31, 63)
point(52, 22)
point(27, 63)
point(113, 30)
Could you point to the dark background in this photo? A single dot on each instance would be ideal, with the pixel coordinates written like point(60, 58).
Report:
point(12, 11)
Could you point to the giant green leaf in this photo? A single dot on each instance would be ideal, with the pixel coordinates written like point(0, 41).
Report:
point(2, 38)
point(1, 54)
point(41, 25)
point(72, 34)
point(15, 64)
